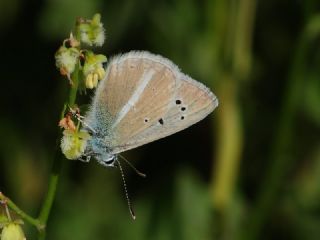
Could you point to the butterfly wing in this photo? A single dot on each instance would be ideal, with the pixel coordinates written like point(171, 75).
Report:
point(133, 85)
point(145, 97)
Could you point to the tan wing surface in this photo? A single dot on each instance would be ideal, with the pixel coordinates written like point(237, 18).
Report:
point(145, 97)
point(134, 95)
point(191, 103)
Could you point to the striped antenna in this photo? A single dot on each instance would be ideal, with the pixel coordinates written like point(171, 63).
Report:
point(126, 191)
point(141, 174)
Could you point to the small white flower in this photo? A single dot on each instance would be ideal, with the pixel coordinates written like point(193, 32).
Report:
point(89, 81)
point(74, 143)
point(100, 37)
point(66, 59)
point(93, 69)
point(84, 36)
point(12, 231)
point(92, 31)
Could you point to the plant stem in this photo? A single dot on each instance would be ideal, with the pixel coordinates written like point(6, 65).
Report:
point(20, 212)
point(57, 162)
point(42, 219)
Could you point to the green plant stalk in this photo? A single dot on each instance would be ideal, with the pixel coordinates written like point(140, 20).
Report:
point(57, 162)
point(20, 212)
point(243, 32)
point(280, 155)
point(231, 25)
point(42, 219)
point(238, 53)
point(45, 210)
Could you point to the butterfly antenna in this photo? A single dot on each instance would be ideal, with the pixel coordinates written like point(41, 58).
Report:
point(141, 174)
point(126, 191)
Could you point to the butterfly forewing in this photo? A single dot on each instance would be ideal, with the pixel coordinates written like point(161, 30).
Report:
point(150, 99)
point(123, 78)
point(136, 92)
point(148, 103)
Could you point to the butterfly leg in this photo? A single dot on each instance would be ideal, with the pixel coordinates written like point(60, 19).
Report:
point(85, 158)
point(76, 114)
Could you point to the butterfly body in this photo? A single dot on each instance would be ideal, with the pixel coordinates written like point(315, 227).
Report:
point(143, 97)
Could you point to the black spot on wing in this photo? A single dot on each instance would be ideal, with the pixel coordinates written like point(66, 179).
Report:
point(161, 121)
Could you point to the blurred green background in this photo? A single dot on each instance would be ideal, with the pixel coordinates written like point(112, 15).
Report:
point(249, 171)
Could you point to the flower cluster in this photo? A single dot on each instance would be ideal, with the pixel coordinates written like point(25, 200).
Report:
point(66, 60)
point(74, 141)
point(70, 56)
point(93, 69)
point(85, 68)
point(92, 31)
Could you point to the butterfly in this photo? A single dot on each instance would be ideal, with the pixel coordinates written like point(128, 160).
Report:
point(142, 98)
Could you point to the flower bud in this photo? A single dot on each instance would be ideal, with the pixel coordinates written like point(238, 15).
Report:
point(101, 72)
point(12, 231)
point(73, 41)
point(74, 143)
point(67, 123)
point(93, 69)
point(92, 31)
point(89, 81)
point(66, 60)
point(95, 79)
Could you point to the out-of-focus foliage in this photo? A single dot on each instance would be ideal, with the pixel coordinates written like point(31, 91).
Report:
point(56, 13)
point(250, 171)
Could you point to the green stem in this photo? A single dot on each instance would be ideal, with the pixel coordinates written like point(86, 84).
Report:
point(20, 212)
point(45, 210)
point(57, 163)
point(74, 88)
point(243, 32)
point(42, 219)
